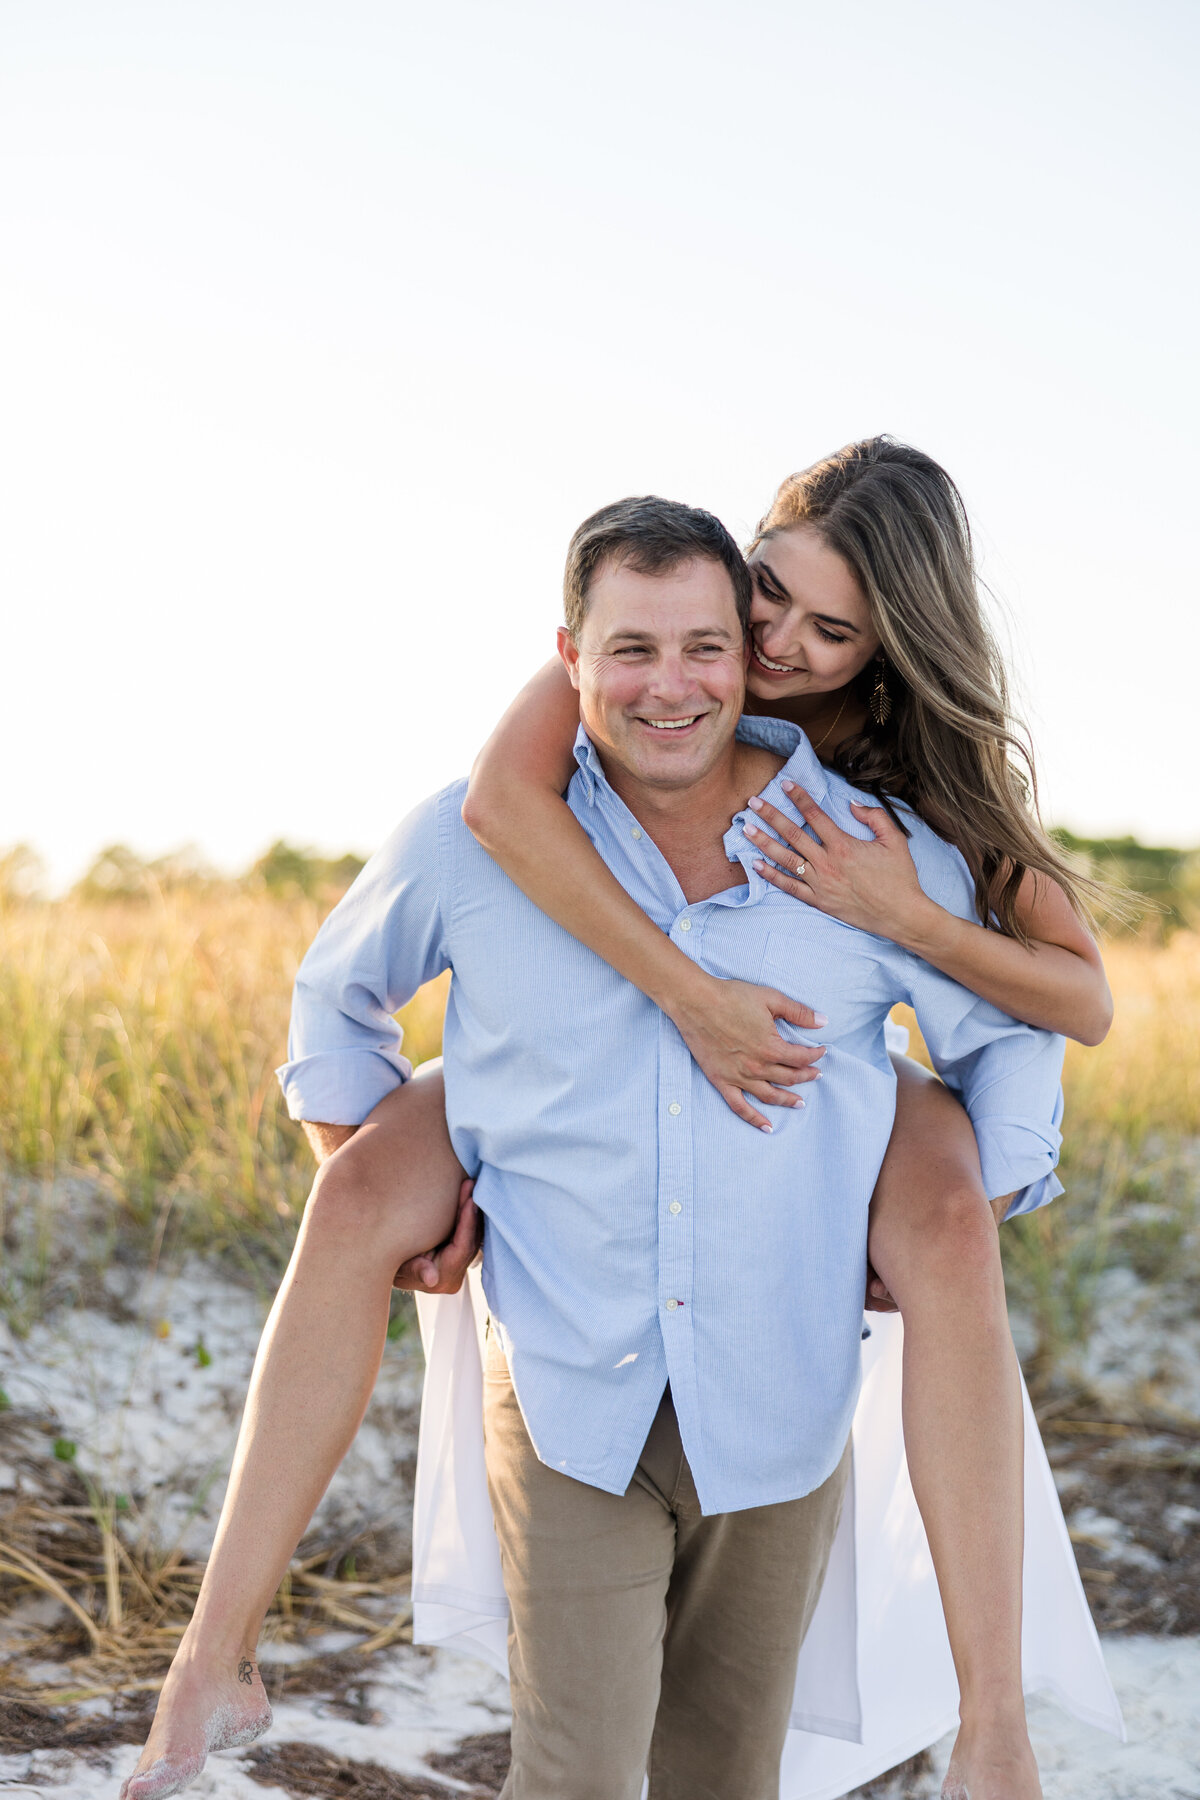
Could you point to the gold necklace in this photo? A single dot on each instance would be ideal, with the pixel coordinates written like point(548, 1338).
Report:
point(841, 709)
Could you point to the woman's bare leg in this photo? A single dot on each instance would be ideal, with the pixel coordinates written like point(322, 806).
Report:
point(390, 1192)
point(933, 1242)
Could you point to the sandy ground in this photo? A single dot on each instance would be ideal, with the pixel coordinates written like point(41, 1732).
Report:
point(148, 1383)
point(146, 1377)
point(429, 1701)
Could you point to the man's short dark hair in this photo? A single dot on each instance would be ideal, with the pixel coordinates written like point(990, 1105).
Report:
point(652, 536)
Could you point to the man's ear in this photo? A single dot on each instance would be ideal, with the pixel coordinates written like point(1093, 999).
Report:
point(568, 649)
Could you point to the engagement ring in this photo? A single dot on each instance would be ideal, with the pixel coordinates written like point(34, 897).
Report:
point(800, 868)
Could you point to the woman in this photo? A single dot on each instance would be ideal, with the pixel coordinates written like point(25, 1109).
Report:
point(868, 633)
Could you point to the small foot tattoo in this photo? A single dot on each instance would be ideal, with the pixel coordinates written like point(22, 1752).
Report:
point(196, 1715)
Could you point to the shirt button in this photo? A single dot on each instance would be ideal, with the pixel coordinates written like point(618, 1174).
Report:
point(685, 925)
point(674, 1207)
point(636, 832)
point(674, 1108)
point(672, 1305)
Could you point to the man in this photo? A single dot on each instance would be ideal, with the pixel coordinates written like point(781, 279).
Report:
point(675, 1300)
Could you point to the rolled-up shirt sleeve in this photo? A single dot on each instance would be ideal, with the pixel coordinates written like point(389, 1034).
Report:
point(381, 942)
point(1009, 1078)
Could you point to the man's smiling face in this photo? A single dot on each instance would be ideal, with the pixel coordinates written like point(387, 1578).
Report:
point(660, 666)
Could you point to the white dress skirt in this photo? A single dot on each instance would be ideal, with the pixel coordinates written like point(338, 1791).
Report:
point(875, 1682)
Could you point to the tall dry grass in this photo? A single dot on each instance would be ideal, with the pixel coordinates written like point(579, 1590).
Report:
point(1144, 1080)
point(1129, 1164)
point(138, 1043)
point(1131, 1138)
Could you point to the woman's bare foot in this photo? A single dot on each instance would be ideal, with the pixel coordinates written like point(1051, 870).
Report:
point(203, 1706)
point(992, 1765)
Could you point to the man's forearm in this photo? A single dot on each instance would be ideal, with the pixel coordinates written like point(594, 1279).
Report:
point(999, 1207)
point(325, 1139)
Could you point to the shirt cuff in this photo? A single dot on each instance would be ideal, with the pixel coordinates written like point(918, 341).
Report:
point(1019, 1158)
point(340, 1087)
point(1038, 1193)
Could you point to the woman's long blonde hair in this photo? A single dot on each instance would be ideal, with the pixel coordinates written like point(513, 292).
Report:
point(952, 747)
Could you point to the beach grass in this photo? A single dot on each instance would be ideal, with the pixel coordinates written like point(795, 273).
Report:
point(139, 1039)
point(1131, 1132)
point(138, 1044)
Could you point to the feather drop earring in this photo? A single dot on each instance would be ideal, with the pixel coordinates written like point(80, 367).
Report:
point(881, 700)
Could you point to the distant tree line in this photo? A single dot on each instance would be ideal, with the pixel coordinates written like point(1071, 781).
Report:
point(118, 873)
point(1164, 879)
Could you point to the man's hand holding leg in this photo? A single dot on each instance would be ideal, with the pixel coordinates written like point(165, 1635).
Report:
point(443, 1271)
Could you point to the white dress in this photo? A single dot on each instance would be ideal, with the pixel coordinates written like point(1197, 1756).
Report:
point(875, 1681)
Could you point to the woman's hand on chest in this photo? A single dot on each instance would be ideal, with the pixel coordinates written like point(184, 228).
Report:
point(870, 883)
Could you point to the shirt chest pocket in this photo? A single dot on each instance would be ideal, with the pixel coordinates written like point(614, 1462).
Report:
point(830, 967)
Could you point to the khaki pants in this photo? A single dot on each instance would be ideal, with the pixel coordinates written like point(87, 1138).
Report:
point(644, 1637)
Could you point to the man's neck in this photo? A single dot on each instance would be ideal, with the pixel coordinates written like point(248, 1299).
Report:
point(688, 824)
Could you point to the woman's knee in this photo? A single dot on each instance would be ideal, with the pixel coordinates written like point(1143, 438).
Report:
point(347, 1196)
point(397, 1170)
point(945, 1234)
point(959, 1221)
point(930, 1216)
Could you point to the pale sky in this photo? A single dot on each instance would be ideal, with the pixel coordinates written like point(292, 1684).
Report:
point(323, 325)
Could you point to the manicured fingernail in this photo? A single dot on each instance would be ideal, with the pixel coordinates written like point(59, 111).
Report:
point(429, 1278)
point(753, 831)
point(765, 1127)
point(787, 785)
point(760, 868)
point(755, 804)
point(820, 1019)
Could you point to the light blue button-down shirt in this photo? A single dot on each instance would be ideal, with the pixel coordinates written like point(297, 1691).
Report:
point(637, 1230)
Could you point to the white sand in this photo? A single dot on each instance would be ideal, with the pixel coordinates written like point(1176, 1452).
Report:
point(430, 1702)
point(152, 1419)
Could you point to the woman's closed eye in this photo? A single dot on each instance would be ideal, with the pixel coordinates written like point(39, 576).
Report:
point(770, 592)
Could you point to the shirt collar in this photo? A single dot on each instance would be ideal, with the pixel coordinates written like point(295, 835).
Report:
point(591, 774)
point(780, 735)
point(801, 766)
